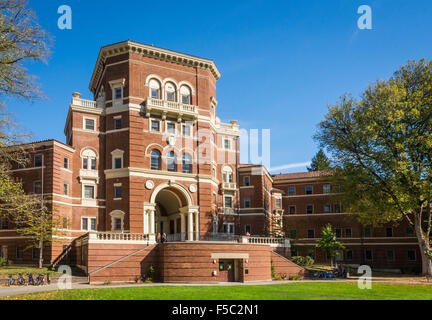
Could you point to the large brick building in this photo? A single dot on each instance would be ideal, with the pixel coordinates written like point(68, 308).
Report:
point(148, 155)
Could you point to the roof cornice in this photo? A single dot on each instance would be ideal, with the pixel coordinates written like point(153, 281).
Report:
point(152, 52)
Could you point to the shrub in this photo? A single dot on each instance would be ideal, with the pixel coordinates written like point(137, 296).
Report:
point(151, 273)
point(303, 261)
point(5, 262)
point(294, 277)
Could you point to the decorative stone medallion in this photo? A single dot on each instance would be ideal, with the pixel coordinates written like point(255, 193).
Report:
point(149, 184)
point(192, 188)
point(171, 140)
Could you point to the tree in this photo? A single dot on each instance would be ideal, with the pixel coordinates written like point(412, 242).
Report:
point(320, 162)
point(382, 150)
point(22, 40)
point(328, 242)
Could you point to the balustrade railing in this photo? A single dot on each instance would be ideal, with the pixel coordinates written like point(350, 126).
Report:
point(108, 236)
point(171, 105)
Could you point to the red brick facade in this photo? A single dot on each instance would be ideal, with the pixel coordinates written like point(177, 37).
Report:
point(148, 155)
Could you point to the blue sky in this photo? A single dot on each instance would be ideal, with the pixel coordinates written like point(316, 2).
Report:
point(282, 62)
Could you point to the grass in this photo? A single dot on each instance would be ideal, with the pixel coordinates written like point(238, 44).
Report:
point(14, 270)
point(290, 291)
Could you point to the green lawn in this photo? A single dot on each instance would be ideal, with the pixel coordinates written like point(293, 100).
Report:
point(14, 270)
point(290, 291)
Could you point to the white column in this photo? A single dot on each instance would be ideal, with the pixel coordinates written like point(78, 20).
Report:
point(152, 221)
point(146, 222)
point(190, 226)
point(197, 228)
point(183, 226)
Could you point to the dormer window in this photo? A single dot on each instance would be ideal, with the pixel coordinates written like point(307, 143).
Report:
point(170, 91)
point(155, 89)
point(185, 95)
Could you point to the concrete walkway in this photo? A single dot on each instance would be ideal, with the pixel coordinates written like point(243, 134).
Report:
point(17, 290)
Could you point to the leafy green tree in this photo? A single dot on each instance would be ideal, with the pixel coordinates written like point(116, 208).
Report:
point(382, 150)
point(320, 162)
point(328, 242)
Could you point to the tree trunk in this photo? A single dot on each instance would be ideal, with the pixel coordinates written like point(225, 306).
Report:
point(40, 253)
point(424, 247)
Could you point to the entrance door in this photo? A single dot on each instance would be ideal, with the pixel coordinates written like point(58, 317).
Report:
point(226, 271)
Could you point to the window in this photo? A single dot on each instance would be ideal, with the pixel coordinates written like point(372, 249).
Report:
point(38, 160)
point(326, 188)
point(187, 130)
point(327, 208)
point(89, 192)
point(309, 209)
point(411, 255)
point(65, 189)
point(117, 124)
point(185, 95)
point(308, 189)
point(228, 228)
point(389, 232)
point(368, 254)
point(227, 144)
point(227, 174)
point(155, 89)
point(89, 159)
point(311, 233)
point(19, 252)
point(291, 209)
point(37, 187)
point(171, 128)
point(349, 255)
point(35, 253)
point(171, 161)
point(4, 224)
point(118, 163)
point(348, 233)
point(187, 163)
point(291, 191)
point(228, 202)
point(65, 222)
point(155, 159)
point(117, 224)
point(247, 229)
point(66, 163)
point(409, 232)
point(117, 93)
point(170, 91)
point(117, 192)
point(278, 202)
point(214, 198)
point(390, 255)
point(155, 126)
point(88, 224)
point(338, 232)
point(89, 124)
point(337, 208)
point(246, 181)
point(247, 202)
point(367, 232)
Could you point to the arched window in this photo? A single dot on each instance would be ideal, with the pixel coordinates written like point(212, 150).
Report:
point(155, 157)
point(155, 89)
point(185, 95)
point(170, 91)
point(171, 161)
point(227, 174)
point(88, 159)
point(187, 163)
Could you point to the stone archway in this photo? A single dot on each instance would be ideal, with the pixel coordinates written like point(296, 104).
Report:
point(171, 211)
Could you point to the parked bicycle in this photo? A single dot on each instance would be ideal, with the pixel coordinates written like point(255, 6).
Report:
point(11, 281)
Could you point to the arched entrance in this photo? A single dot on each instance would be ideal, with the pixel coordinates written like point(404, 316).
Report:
point(171, 211)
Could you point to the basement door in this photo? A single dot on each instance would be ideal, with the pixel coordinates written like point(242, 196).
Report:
point(226, 270)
